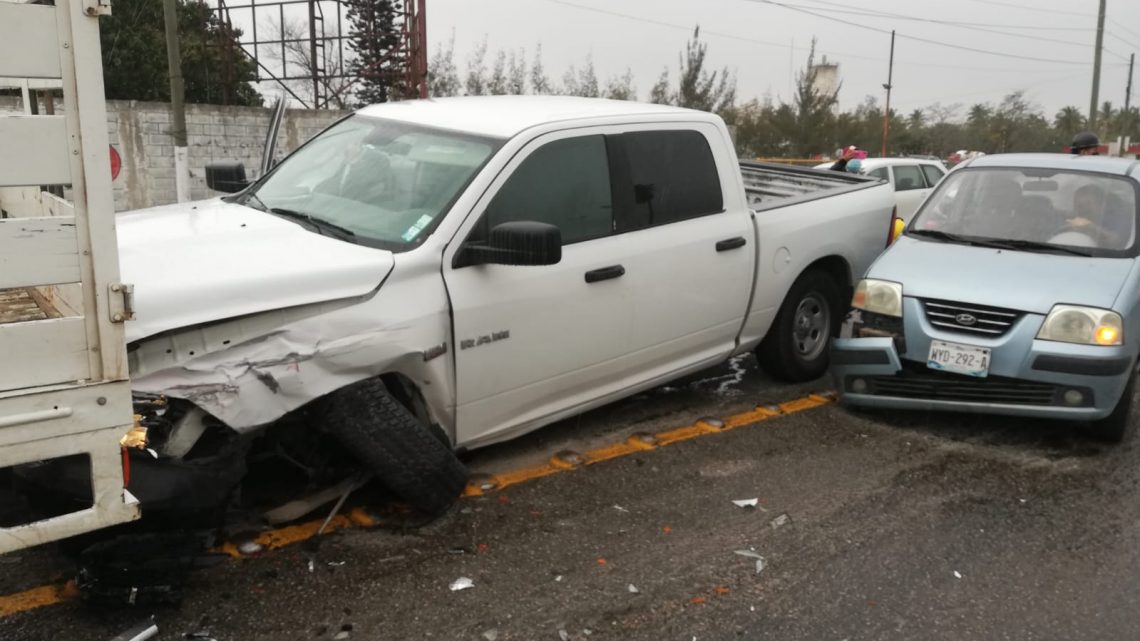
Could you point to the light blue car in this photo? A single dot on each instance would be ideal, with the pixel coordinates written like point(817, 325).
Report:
point(1014, 290)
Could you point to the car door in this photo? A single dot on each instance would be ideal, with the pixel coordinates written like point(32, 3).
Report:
point(534, 341)
point(689, 271)
point(910, 189)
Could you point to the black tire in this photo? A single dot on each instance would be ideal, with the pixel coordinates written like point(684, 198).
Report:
point(794, 353)
point(1114, 427)
point(403, 453)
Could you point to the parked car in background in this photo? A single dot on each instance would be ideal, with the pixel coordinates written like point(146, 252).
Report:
point(912, 179)
point(430, 275)
point(1015, 290)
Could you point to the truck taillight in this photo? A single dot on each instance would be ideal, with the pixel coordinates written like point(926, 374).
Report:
point(896, 228)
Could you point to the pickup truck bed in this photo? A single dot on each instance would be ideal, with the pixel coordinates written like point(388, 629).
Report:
point(770, 185)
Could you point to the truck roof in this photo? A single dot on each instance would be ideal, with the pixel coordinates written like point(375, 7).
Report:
point(506, 116)
point(1103, 164)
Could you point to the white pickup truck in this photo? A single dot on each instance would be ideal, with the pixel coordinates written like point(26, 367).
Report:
point(437, 275)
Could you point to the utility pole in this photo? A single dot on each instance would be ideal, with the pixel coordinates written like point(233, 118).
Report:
point(177, 104)
point(888, 87)
point(1096, 67)
point(1127, 142)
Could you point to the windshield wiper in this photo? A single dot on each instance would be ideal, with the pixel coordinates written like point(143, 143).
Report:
point(252, 196)
point(319, 224)
point(954, 238)
point(1034, 245)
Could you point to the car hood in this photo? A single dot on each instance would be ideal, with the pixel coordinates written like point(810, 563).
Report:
point(205, 261)
point(1026, 281)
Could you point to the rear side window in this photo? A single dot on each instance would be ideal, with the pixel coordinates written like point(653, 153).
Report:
point(880, 173)
point(565, 183)
point(908, 177)
point(933, 174)
point(671, 177)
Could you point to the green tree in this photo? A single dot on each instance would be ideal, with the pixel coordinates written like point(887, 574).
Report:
point(214, 69)
point(443, 77)
point(620, 87)
point(814, 132)
point(660, 93)
point(539, 82)
point(1069, 121)
point(699, 89)
point(372, 36)
point(581, 82)
point(476, 81)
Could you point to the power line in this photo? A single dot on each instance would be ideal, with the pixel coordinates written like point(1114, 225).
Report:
point(1031, 8)
point(973, 26)
point(780, 45)
point(915, 38)
point(1126, 29)
point(1134, 46)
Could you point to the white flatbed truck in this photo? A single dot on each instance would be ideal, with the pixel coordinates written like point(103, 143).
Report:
point(64, 388)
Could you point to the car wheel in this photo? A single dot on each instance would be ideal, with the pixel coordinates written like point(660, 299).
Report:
point(1114, 427)
point(403, 452)
point(797, 346)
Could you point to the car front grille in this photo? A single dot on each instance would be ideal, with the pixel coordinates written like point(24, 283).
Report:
point(916, 382)
point(977, 320)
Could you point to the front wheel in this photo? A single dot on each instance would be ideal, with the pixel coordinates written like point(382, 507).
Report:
point(414, 463)
point(797, 346)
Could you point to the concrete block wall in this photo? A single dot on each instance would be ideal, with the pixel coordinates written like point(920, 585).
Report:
point(140, 132)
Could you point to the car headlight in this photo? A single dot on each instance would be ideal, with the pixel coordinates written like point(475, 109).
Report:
point(878, 297)
point(1084, 325)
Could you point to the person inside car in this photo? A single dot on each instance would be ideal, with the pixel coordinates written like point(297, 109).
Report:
point(1100, 217)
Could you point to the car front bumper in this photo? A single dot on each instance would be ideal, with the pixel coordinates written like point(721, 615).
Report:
point(1027, 377)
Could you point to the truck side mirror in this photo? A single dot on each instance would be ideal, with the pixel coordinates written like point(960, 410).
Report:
point(517, 243)
point(226, 176)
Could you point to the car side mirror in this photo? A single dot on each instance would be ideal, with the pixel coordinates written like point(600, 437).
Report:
point(226, 176)
point(517, 243)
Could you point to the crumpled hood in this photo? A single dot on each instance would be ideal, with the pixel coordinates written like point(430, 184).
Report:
point(210, 260)
point(1020, 280)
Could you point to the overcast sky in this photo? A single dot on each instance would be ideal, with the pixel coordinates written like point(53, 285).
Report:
point(763, 43)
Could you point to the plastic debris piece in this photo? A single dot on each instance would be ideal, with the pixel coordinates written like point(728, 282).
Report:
point(722, 590)
point(957, 575)
point(312, 566)
point(491, 635)
point(341, 636)
point(698, 600)
point(633, 589)
point(760, 562)
point(780, 521)
point(336, 564)
point(462, 583)
point(666, 529)
point(746, 502)
point(601, 561)
point(558, 579)
point(620, 508)
point(564, 635)
point(140, 632)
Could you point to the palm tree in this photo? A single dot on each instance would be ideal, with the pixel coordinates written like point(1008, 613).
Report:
point(1105, 118)
point(1068, 121)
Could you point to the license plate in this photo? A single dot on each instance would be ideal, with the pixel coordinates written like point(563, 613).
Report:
point(960, 359)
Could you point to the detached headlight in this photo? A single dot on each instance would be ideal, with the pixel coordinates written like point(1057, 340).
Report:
point(1083, 325)
point(878, 297)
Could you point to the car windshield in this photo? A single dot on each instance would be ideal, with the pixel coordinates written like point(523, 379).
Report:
point(378, 182)
point(1033, 209)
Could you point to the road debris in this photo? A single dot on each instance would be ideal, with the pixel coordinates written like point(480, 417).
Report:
point(462, 583)
point(312, 566)
point(780, 521)
point(957, 574)
point(249, 547)
point(356, 483)
point(620, 508)
point(746, 502)
point(633, 589)
point(558, 579)
point(564, 635)
point(491, 635)
point(140, 632)
point(760, 562)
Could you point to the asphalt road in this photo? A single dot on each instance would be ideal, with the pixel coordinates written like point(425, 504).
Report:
point(871, 526)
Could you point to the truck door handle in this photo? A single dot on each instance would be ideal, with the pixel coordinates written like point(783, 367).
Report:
point(605, 273)
point(731, 243)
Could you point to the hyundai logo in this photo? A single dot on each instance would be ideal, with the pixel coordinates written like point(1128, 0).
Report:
point(966, 319)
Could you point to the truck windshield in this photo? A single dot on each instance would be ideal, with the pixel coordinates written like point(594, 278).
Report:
point(382, 183)
point(1031, 209)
